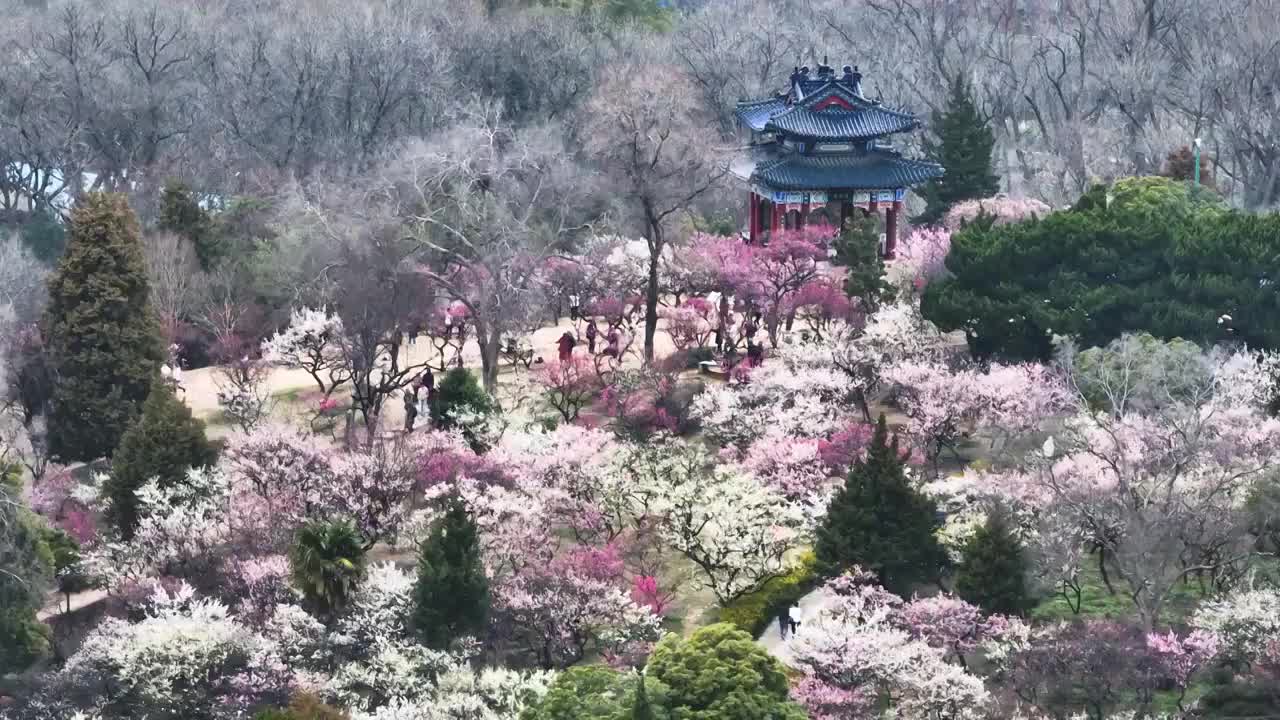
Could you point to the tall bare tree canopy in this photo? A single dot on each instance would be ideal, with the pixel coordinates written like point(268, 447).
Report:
point(233, 96)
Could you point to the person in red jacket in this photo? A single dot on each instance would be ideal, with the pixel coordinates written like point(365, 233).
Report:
point(565, 344)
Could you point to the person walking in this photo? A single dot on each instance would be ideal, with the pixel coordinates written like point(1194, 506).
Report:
point(592, 333)
point(784, 620)
point(565, 345)
point(612, 348)
point(410, 407)
point(575, 307)
point(755, 353)
point(794, 616)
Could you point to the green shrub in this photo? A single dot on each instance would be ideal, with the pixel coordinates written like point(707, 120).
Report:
point(754, 611)
point(459, 391)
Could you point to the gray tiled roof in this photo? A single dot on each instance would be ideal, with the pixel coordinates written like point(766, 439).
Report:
point(864, 121)
point(874, 170)
point(756, 113)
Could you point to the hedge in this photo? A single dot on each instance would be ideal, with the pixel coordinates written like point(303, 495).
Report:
point(754, 611)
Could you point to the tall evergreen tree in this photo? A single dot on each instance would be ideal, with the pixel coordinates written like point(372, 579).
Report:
point(962, 142)
point(881, 523)
point(181, 214)
point(993, 569)
point(164, 443)
point(452, 593)
point(858, 250)
point(103, 338)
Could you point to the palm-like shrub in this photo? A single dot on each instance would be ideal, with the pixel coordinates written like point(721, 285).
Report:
point(327, 562)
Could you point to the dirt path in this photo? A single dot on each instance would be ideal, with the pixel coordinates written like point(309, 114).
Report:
point(772, 639)
point(200, 388)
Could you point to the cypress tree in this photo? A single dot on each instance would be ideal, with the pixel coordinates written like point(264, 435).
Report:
point(993, 569)
point(858, 250)
point(164, 443)
point(881, 523)
point(962, 142)
point(103, 338)
point(451, 597)
point(181, 214)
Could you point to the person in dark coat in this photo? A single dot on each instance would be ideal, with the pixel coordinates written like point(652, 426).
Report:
point(592, 333)
point(755, 353)
point(565, 345)
point(410, 407)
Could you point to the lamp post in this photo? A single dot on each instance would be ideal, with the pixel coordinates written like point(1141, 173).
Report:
point(1197, 154)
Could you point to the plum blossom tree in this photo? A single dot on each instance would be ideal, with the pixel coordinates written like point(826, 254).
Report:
point(311, 342)
point(771, 275)
point(894, 334)
point(185, 656)
point(1246, 624)
point(691, 324)
point(1001, 209)
point(570, 385)
point(1095, 667)
point(1162, 496)
point(856, 650)
point(1178, 658)
point(737, 531)
point(823, 305)
point(943, 405)
point(921, 257)
point(792, 467)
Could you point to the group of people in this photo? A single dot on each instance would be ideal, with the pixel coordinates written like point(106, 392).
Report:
point(724, 337)
point(418, 398)
point(568, 341)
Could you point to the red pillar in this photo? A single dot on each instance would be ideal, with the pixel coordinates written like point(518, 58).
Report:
point(891, 229)
point(804, 215)
point(754, 211)
point(775, 217)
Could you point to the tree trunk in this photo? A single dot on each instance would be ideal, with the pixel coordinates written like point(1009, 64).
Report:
point(490, 345)
point(651, 289)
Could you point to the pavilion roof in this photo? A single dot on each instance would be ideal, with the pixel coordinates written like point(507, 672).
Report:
point(825, 107)
point(871, 170)
point(835, 113)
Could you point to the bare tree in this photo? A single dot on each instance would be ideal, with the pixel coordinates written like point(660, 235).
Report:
point(177, 283)
point(495, 203)
point(22, 280)
point(647, 131)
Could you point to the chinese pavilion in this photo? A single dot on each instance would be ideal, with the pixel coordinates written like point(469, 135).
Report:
point(817, 153)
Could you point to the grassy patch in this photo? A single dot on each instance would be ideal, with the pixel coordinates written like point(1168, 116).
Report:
point(1096, 602)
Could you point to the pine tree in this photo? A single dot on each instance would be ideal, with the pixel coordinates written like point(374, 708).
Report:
point(181, 214)
point(858, 251)
point(881, 523)
point(103, 337)
point(452, 592)
point(164, 443)
point(962, 142)
point(993, 569)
